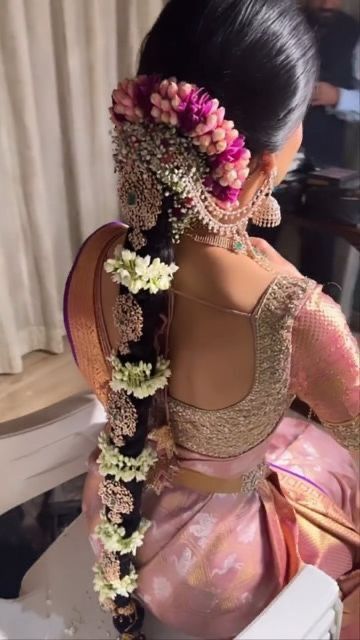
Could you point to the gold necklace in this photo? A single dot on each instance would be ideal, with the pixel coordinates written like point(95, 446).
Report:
point(235, 246)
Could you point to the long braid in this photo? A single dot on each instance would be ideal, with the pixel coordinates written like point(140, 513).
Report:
point(122, 494)
point(169, 175)
point(154, 311)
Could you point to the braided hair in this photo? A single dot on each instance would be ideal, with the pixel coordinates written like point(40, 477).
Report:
point(128, 613)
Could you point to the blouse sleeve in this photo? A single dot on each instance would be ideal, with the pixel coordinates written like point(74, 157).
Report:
point(325, 367)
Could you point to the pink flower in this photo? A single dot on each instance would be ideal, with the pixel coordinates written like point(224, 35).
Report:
point(194, 110)
point(124, 106)
point(224, 194)
point(196, 114)
point(144, 87)
point(232, 153)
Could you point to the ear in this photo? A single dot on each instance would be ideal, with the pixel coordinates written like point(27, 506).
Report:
point(269, 164)
point(263, 166)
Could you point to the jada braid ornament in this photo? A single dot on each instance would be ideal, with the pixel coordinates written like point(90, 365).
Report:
point(125, 459)
point(176, 155)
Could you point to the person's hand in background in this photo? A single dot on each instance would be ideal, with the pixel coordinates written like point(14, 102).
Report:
point(325, 95)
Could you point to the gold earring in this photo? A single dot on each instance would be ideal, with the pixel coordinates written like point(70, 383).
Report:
point(266, 212)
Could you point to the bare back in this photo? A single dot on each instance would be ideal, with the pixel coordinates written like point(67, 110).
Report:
point(213, 334)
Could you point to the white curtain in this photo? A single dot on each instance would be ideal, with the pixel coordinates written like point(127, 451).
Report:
point(59, 60)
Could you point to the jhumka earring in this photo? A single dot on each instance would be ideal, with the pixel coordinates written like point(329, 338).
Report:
point(267, 212)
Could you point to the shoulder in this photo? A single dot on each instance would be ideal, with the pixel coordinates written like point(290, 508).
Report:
point(320, 319)
point(288, 294)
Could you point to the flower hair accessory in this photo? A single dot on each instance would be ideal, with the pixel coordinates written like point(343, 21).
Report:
point(196, 115)
point(114, 539)
point(109, 584)
point(177, 133)
point(125, 467)
point(139, 379)
point(137, 273)
point(121, 467)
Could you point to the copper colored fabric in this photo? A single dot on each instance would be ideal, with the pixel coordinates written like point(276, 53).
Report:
point(88, 302)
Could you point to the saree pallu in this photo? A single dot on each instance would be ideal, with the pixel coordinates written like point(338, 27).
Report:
point(212, 562)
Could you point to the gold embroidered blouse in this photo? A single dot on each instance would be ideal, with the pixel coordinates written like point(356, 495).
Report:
point(303, 347)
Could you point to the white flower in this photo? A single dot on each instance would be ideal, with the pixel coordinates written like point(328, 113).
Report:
point(139, 273)
point(114, 540)
point(160, 275)
point(119, 587)
point(113, 463)
point(138, 379)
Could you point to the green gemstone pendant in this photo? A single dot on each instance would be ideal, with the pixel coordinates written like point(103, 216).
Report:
point(238, 246)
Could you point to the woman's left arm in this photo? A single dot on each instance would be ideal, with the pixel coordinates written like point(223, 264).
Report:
point(325, 367)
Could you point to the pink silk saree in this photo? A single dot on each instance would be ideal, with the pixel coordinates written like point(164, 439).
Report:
point(213, 560)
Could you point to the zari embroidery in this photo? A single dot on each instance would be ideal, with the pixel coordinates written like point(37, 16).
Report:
point(231, 431)
point(346, 433)
point(165, 469)
point(325, 363)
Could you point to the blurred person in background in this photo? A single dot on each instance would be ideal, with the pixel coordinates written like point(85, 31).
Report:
point(336, 98)
point(335, 102)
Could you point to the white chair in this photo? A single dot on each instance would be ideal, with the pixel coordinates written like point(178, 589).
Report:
point(308, 609)
point(57, 601)
point(44, 449)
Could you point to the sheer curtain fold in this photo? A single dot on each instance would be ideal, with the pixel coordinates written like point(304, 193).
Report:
point(59, 60)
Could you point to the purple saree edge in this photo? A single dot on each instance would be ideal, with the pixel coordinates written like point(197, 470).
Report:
point(297, 475)
point(114, 223)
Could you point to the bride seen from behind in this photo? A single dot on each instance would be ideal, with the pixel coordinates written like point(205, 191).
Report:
point(203, 500)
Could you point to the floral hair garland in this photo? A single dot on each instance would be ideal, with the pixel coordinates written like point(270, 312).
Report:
point(121, 472)
point(197, 116)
